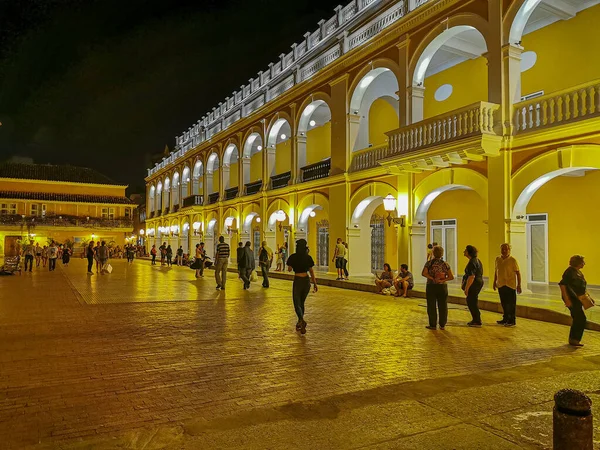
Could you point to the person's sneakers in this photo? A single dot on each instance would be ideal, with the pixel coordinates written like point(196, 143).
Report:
point(474, 324)
point(442, 328)
point(575, 343)
point(429, 327)
point(219, 287)
point(510, 324)
point(338, 279)
point(501, 322)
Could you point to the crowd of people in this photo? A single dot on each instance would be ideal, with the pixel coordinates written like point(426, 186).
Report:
point(45, 256)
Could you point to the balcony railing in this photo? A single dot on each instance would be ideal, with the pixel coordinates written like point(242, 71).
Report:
point(175, 208)
point(157, 213)
point(231, 193)
point(317, 170)
point(65, 221)
point(213, 198)
point(367, 158)
point(281, 180)
point(570, 105)
point(253, 188)
point(193, 200)
point(167, 210)
point(151, 215)
point(476, 119)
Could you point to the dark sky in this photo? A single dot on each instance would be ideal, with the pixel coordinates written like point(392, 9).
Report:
point(107, 83)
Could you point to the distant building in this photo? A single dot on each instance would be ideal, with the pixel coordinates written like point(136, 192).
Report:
point(61, 203)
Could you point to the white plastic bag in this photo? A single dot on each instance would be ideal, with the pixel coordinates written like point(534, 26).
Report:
point(108, 268)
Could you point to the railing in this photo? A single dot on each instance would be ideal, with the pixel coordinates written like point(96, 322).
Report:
point(312, 55)
point(175, 208)
point(231, 193)
point(213, 198)
point(476, 119)
point(167, 209)
point(367, 158)
point(65, 221)
point(157, 213)
point(316, 171)
point(151, 215)
point(570, 105)
point(193, 200)
point(281, 180)
point(253, 188)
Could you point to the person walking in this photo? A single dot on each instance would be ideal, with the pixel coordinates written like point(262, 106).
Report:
point(279, 266)
point(339, 255)
point(52, 255)
point(438, 273)
point(44, 255)
point(238, 257)
point(89, 254)
point(507, 280)
point(28, 252)
point(103, 254)
point(38, 254)
point(153, 254)
point(66, 255)
point(472, 284)
point(180, 256)
point(246, 264)
point(265, 259)
point(222, 253)
point(163, 253)
point(302, 264)
point(200, 257)
point(574, 289)
point(169, 255)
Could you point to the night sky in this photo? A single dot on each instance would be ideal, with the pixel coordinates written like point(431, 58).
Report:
point(107, 84)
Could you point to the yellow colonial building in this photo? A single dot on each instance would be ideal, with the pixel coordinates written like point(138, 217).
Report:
point(481, 118)
point(61, 203)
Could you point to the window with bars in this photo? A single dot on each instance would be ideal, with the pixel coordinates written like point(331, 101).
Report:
point(256, 241)
point(7, 209)
point(323, 243)
point(108, 213)
point(377, 243)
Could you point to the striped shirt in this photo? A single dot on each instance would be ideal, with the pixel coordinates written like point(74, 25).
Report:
point(222, 250)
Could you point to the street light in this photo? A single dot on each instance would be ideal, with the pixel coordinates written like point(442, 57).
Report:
point(389, 204)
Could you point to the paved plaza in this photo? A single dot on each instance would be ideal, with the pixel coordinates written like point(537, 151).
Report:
point(149, 357)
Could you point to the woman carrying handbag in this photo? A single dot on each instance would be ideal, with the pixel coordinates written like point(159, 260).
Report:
point(574, 293)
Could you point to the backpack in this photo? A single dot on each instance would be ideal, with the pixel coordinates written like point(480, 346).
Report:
point(153, 251)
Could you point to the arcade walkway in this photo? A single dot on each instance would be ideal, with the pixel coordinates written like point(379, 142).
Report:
point(149, 357)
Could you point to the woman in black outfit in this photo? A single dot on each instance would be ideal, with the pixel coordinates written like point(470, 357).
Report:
point(472, 284)
point(90, 252)
point(573, 285)
point(301, 263)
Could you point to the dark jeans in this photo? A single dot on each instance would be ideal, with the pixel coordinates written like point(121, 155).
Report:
point(508, 298)
point(345, 267)
point(29, 258)
point(90, 263)
point(245, 274)
point(473, 299)
point(579, 319)
point(153, 260)
point(52, 264)
point(265, 274)
point(300, 290)
point(169, 262)
point(437, 299)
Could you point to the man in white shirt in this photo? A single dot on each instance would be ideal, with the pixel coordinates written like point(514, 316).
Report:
point(507, 279)
point(28, 252)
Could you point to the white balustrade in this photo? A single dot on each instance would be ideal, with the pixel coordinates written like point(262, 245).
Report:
point(570, 105)
point(281, 87)
point(374, 27)
point(320, 62)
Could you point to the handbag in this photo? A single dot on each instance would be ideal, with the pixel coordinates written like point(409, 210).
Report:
point(586, 300)
point(254, 276)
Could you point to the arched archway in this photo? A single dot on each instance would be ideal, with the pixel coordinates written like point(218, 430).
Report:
point(186, 183)
point(230, 166)
point(185, 236)
point(167, 194)
point(374, 108)
point(151, 199)
point(197, 179)
point(314, 131)
point(313, 225)
point(441, 62)
point(251, 226)
point(252, 158)
point(278, 224)
point(210, 237)
point(176, 187)
point(279, 147)
point(158, 198)
point(212, 173)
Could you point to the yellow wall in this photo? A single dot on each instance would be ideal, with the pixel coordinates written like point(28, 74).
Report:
point(565, 199)
point(255, 167)
point(318, 143)
point(565, 53)
point(468, 208)
point(391, 241)
point(233, 174)
point(382, 118)
point(215, 182)
point(60, 187)
point(469, 82)
point(283, 157)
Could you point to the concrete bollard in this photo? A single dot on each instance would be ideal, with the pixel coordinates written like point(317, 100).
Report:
point(572, 421)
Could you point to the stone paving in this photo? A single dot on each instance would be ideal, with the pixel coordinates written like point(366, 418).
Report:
point(150, 357)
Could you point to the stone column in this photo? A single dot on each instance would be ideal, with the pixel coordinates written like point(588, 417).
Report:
point(270, 165)
point(418, 246)
point(301, 158)
point(339, 219)
point(244, 176)
point(340, 150)
point(416, 95)
point(225, 178)
point(403, 82)
point(353, 130)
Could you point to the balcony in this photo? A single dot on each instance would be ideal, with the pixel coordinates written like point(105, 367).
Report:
point(316, 171)
point(157, 213)
point(231, 193)
point(281, 180)
point(253, 188)
point(213, 198)
point(175, 208)
point(167, 209)
point(193, 200)
point(65, 221)
point(468, 133)
point(558, 108)
point(151, 215)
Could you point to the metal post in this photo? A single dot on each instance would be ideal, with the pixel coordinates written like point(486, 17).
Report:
point(572, 421)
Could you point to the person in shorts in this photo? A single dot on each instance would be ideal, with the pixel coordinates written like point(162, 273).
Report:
point(338, 257)
point(404, 282)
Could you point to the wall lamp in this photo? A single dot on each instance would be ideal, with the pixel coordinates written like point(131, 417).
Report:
point(389, 204)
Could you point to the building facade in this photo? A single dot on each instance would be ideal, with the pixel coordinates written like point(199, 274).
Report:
point(60, 203)
point(480, 118)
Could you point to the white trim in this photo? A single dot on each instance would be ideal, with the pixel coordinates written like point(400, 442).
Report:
point(529, 259)
point(443, 227)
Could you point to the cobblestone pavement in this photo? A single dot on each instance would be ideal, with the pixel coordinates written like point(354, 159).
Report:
point(149, 357)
